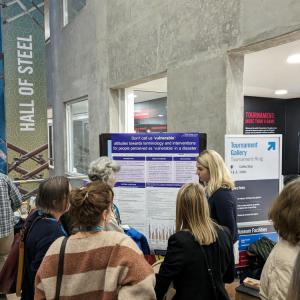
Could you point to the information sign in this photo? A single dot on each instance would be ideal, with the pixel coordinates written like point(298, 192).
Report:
point(255, 164)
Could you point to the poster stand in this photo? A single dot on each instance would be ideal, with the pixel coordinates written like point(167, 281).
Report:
point(153, 168)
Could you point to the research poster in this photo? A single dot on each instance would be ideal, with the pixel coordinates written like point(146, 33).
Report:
point(153, 167)
point(255, 164)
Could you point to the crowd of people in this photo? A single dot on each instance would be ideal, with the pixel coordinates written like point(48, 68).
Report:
point(76, 248)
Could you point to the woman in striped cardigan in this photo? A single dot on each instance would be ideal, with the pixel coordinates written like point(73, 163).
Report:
point(98, 264)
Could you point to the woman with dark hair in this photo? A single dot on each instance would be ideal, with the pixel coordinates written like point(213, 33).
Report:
point(98, 264)
point(199, 258)
point(52, 201)
point(277, 272)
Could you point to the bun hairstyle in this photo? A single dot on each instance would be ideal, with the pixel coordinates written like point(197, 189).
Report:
point(88, 204)
point(103, 169)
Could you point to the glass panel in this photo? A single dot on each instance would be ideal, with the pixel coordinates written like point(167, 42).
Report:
point(79, 137)
point(72, 8)
point(150, 115)
point(46, 20)
point(50, 146)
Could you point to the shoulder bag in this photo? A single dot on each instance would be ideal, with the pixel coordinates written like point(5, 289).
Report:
point(60, 270)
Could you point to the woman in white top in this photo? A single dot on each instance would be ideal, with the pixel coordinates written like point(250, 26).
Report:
point(278, 269)
point(294, 289)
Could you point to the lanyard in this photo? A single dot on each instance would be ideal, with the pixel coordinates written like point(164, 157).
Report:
point(50, 217)
point(88, 228)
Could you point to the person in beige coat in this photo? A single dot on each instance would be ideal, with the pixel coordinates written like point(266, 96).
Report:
point(278, 269)
point(294, 289)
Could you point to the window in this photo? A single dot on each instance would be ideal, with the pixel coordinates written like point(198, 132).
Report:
point(50, 144)
point(50, 136)
point(77, 137)
point(150, 115)
point(146, 107)
point(46, 20)
point(71, 8)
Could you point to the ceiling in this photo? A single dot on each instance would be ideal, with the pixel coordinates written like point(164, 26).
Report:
point(267, 70)
point(158, 85)
point(150, 90)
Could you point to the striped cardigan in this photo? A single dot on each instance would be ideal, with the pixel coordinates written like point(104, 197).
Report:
point(106, 265)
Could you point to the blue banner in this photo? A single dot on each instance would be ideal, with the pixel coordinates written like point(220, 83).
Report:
point(3, 150)
point(156, 143)
point(249, 235)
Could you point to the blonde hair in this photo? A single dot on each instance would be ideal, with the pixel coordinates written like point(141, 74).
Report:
point(192, 213)
point(219, 173)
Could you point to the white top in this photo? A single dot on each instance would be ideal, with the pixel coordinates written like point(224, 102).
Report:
point(277, 272)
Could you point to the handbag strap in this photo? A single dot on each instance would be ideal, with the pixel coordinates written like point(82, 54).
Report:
point(60, 267)
point(210, 273)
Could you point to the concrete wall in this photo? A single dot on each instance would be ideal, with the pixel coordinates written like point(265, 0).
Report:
point(78, 67)
point(266, 19)
point(118, 43)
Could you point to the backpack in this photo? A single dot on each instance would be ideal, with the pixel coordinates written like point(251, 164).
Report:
point(11, 274)
point(258, 253)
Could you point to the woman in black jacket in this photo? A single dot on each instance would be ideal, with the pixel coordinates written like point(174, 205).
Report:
point(218, 182)
point(52, 201)
point(199, 258)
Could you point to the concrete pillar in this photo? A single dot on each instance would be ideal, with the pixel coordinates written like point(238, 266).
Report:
point(53, 78)
point(199, 99)
point(234, 93)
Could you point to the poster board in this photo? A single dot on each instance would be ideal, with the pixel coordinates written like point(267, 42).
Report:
point(255, 164)
point(153, 168)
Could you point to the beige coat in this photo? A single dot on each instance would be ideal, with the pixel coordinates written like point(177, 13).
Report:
point(277, 272)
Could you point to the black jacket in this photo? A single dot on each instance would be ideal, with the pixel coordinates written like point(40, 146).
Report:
point(223, 209)
point(43, 233)
point(185, 265)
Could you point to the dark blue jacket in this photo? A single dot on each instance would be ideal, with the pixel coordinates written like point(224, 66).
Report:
point(223, 210)
point(43, 233)
point(139, 239)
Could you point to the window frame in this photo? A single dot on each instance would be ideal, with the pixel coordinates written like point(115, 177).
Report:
point(69, 135)
point(65, 12)
point(50, 144)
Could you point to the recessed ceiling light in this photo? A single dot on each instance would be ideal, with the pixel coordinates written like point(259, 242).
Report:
point(160, 116)
point(294, 59)
point(281, 92)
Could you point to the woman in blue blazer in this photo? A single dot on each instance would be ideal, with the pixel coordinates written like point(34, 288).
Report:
point(219, 184)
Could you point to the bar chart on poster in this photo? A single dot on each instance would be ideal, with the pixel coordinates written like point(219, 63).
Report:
point(153, 168)
point(160, 231)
